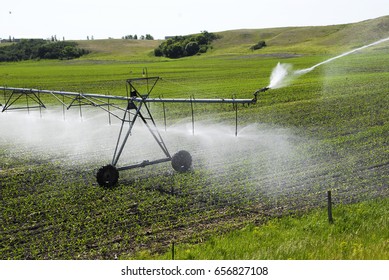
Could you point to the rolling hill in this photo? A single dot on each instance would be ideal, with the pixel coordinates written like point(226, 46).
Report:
point(310, 39)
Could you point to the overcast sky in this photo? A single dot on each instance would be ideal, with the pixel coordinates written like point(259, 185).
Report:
point(77, 19)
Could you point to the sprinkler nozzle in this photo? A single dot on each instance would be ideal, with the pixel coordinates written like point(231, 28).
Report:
point(258, 91)
point(261, 90)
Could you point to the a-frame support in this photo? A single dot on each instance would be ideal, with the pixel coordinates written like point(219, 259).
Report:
point(11, 102)
point(124, 134)
point(137, 108)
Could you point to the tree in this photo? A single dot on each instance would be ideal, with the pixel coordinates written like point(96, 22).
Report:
point(175, 51)
point(201, 39)
point(69, 52)
point(192, 48)
point(38, 48)
point(180, 46)
point(158, 52)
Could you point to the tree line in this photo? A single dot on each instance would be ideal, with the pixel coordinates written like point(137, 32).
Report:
point(40, 49)
point(181, 46)
point(141, 37)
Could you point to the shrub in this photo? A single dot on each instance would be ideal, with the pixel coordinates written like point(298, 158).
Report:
point(258, 46)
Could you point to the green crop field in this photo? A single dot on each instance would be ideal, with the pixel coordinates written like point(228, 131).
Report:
point(326, 130)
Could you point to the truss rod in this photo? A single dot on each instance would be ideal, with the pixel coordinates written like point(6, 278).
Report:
point(137, 99)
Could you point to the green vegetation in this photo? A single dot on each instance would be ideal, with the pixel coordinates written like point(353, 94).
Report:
point(181, 46)
point(258, 46)
point(40, 49)
point(135, 37)
point(306, 237)
point(328, 130)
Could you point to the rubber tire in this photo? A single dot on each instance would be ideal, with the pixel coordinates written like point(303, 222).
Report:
point(182, 161)
point(107, 176)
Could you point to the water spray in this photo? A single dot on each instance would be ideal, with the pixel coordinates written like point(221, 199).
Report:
point(283, 74)
point(127, 109)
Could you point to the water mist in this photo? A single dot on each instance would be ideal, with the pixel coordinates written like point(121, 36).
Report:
point(283, 74)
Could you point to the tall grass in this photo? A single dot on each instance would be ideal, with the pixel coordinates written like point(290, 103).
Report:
point(360, 231)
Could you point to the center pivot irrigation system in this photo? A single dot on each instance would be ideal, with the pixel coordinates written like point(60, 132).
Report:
point(132, 107)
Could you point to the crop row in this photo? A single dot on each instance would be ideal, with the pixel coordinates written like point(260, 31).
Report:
point(51, 210)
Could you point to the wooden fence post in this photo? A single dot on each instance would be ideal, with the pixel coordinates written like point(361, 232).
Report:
point(329, 200)
point(173, 250)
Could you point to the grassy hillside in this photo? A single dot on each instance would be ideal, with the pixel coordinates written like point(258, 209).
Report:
point(312, 39)
point(119, 49)
point(290, 40)
point(327, 130)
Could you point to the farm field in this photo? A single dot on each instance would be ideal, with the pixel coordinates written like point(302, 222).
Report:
point(327, 130)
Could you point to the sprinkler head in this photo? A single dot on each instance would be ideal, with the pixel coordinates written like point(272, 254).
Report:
point(258, 91)
point(261, 90)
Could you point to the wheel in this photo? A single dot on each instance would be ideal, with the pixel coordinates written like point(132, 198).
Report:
point(107, 176)
point(182, 161)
